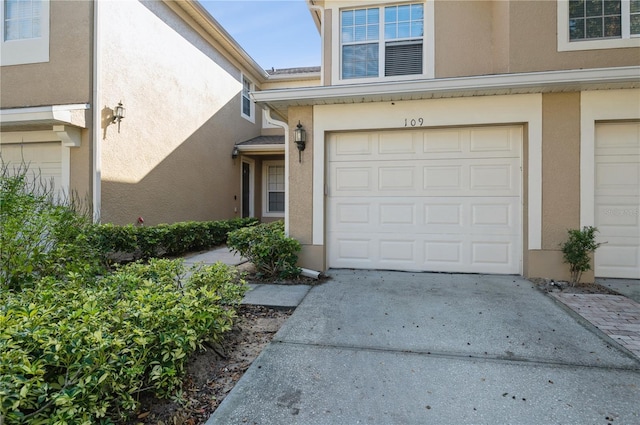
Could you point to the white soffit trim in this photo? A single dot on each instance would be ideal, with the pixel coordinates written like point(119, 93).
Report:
point(566, 80)
point(54, 115)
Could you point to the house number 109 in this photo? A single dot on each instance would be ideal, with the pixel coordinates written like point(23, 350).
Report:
point(413, 122)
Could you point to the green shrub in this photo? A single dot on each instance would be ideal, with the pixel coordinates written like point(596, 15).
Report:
point(81, 352)
point(39, 234)
point(577, 251)
point(268, 248)
point(127, 243)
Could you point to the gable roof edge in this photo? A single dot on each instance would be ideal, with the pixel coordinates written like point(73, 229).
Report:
point(214, 29)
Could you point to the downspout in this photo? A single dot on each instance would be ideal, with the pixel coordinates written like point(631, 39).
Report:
point(97, 119)
point(320, 9)
point(266, 116)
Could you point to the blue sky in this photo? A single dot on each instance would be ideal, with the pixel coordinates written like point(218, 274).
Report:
point(275, 33)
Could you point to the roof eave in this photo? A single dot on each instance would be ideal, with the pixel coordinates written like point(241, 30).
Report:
point(211, 26)
point(535, 82)
point(273, 148)
point(295, 77)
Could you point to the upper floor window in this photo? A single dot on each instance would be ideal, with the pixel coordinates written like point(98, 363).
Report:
point(401, 30)
point(598, 24)
point(25, 31)
point(247, 105)
point(22, 19)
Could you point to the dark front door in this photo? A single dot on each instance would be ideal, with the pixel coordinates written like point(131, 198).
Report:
point(246, 189)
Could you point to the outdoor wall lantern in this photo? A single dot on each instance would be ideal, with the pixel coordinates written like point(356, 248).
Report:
point(118, 114)
point(235, 152)
point(300, 137)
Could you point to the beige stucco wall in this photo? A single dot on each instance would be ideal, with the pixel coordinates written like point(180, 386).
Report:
point(494, 37)
point(301, 177)
point(560, 182)
point(463, 33)
point(290, 84)
point(81, 166)
point(66, 78)
point(327, 46)
point(533, 49)
point(171, 159)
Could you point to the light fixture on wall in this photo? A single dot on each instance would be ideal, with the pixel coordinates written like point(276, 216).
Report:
point(118, 114)
point(300, 137)
point(235, 152)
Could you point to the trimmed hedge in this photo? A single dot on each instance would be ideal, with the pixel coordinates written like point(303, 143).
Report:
point(126, 243)
point(80, 352)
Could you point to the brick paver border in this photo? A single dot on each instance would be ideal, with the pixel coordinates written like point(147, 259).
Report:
point(615, 315)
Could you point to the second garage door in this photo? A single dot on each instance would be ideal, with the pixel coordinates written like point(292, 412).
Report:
point(617, 200)
point(42, 161)
point(426, 200)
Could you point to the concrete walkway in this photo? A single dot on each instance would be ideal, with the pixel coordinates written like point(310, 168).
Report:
point(414, 348)
point(221, 254)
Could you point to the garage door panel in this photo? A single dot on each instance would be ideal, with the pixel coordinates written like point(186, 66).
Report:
point(617, 139)
point(500, 216)
point(352, 179)
point(623, 215)
point(398, 143)
point(394, 251)
point(496, 140)
point(499, 179)
point(396, 179)
point(349, 214)
point(483, 177)
point(619, 259)
point(438, 200)
point(617, 200)
point(484, 142)
point(491, 253)
point(439, 254)
point(43, 161)
point(398, 213)
point(618, 177)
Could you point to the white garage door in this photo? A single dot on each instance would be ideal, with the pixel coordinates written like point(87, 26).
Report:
point(427, 200)
point(44, 160)
point(617, 198)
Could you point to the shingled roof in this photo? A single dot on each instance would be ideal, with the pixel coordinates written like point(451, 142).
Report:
point(293, 71)
point(263, 140)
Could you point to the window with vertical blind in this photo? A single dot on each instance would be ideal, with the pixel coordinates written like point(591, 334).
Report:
point(385, 41)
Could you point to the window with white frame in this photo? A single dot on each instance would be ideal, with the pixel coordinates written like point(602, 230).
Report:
point(22, 19)
point(247, 105)
point(598, 24)
point(274, 199)
point(386, 41)
point(25, 31)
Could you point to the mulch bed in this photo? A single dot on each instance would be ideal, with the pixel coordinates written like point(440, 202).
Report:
point(211, 374)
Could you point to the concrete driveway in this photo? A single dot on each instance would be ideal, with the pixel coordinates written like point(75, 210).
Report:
point(420, 348)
